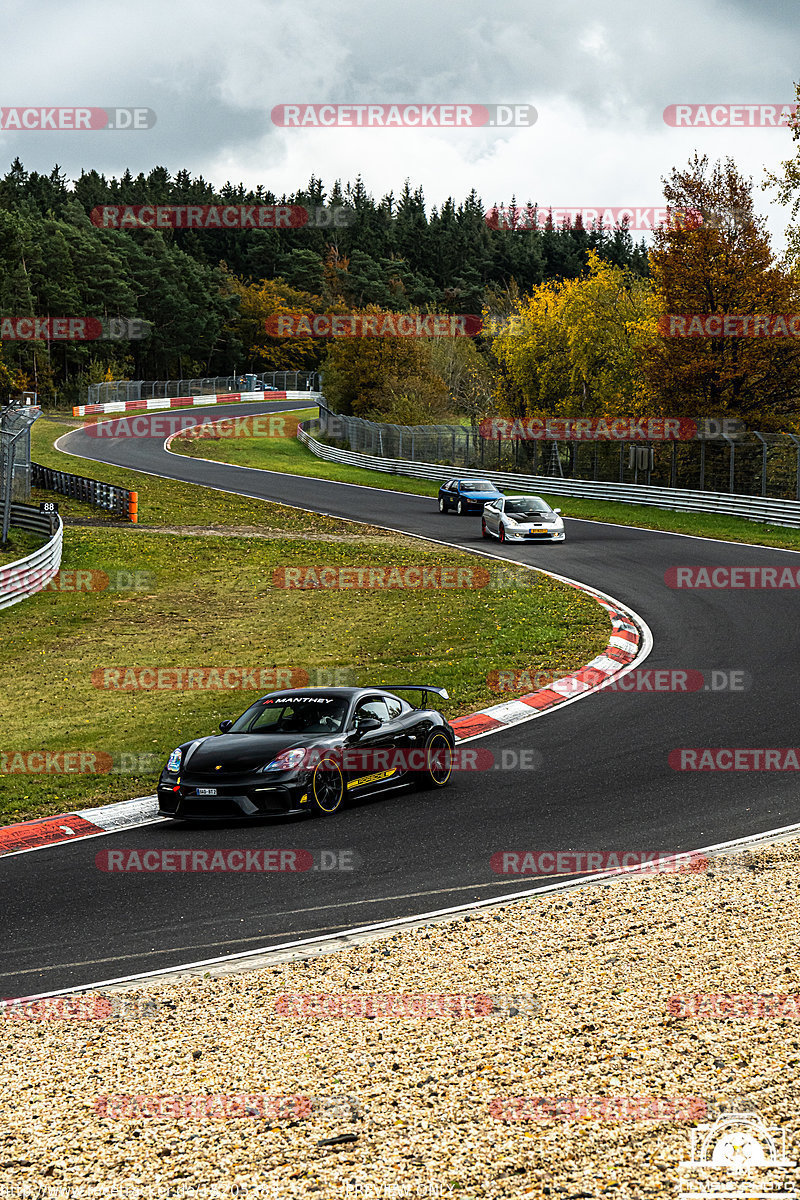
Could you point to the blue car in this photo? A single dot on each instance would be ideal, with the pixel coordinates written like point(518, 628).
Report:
point(467, 495)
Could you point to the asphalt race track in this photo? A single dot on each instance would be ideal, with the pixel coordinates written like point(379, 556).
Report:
point(604, 783)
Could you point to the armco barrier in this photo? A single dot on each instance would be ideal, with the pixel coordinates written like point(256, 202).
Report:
point(26, 576)
point(752, 508)
point(125, 406)
point(102, 495)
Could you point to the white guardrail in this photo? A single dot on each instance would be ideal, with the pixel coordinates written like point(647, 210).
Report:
point(24, 578)
point(753, 508)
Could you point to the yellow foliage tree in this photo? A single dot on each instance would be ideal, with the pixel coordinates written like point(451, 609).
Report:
point(257, 302)
point(12, 379)
point(574, 347)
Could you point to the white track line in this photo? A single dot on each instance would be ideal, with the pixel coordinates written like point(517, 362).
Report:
point(340, 941)
point(699, 537)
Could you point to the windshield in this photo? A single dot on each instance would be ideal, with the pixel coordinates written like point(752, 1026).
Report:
point(295, 714)
point(477, 485)
point(527, 504)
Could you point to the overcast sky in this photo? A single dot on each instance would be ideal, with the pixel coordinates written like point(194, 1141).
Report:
point(599, 75)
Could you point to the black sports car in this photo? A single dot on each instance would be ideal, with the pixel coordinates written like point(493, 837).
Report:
point(306, 749)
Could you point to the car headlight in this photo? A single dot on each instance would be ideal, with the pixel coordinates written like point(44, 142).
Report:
point(287, 760)
point(174, 761)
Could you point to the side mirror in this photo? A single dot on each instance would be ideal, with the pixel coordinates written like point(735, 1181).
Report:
point(368, 725)
point(558, 510)
point(225, 726)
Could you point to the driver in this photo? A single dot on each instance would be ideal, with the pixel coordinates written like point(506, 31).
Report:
point(312, 718)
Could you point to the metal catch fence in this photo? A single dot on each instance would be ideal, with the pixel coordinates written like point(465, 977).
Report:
point(754, 508)
point(746, 463)
point(15, 457)
point(120, 390)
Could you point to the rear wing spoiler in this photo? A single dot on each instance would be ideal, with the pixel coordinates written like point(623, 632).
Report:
point(418, 687)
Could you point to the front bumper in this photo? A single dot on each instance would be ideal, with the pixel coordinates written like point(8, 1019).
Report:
point(233, 801)
point(523, 534)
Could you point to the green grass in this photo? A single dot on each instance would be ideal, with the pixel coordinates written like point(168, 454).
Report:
point(287, 454)
point(19, 545)
point(212, 601)
point(165, 501)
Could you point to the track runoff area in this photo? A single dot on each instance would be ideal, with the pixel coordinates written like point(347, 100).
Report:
point(617, 772)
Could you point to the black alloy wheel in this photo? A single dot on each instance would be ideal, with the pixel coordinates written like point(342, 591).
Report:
point(438, 761)
point(327, 789)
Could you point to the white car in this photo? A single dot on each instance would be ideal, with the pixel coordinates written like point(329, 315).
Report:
point(522, 519)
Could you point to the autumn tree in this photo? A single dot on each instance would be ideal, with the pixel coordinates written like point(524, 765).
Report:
point(714, 257)
point(466, 374)
point(257, 302)
point(574, 347)
point(386, 378)
point(788, 186)
point(11, 380)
